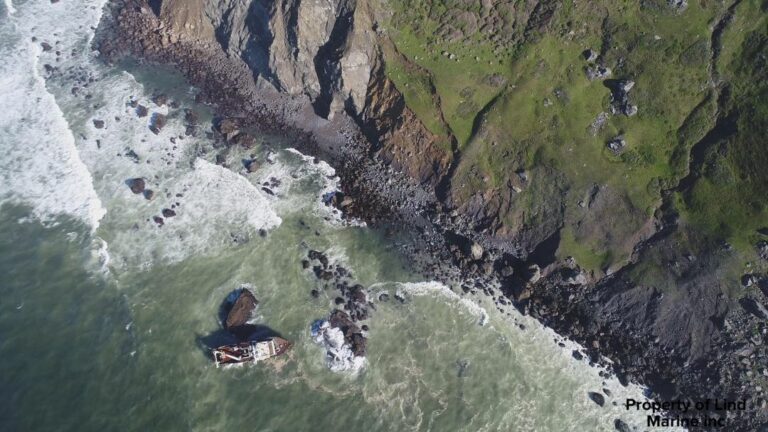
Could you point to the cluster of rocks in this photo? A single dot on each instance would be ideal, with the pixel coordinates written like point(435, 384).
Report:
point(138, 185)
point(594, 70)
point(678, 5)
point(352, 298)
point(620, 98)
point(340, 201)
point(226, 133)
point(597, 72)
point(597, 125)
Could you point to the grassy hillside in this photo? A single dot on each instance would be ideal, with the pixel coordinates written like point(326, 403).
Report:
point(510, 81)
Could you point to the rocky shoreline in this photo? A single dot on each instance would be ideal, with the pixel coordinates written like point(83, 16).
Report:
point(610, 317)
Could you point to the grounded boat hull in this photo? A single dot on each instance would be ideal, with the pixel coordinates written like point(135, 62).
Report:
point(250, 352)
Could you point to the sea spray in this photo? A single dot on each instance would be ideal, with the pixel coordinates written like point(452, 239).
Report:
point(338, 353)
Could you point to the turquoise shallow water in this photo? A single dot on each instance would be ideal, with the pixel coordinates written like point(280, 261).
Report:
point(105, 317)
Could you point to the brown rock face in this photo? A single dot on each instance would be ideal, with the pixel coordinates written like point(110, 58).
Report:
point(241, 310)
point(405, 142)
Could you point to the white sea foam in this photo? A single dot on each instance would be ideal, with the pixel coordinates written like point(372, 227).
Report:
point(40, 165)
point(294, 168)
point(438, 289)
point(9, 7)
point(338, 354)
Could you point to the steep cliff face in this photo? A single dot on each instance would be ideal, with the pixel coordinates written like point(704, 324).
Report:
point(322, 49)
point(326, 50)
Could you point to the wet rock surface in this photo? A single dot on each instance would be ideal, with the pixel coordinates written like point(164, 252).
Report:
point(338, 284)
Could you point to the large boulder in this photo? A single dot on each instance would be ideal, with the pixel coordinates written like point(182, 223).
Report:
point(137, 185)
point(242, 309)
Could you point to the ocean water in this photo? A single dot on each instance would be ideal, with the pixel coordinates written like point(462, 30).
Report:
point(105, 317)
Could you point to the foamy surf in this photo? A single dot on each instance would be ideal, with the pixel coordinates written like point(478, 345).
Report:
point(338, 353)
point(45, 172)
point(9, 7)
point(439, 290)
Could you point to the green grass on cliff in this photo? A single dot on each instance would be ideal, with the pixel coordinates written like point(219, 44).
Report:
point(541, 114)
point(728, 199)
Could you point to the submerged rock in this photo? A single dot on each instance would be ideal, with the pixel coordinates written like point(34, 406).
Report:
point(597, 398)
point(141, 111)
point(137, 185)
point(621, 426)
point(342, 353)
point(158, 123)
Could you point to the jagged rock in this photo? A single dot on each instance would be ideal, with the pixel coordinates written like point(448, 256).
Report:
point(157, 123)
point(141, 111)
point(599, 122)
point(98, 124)
point(748, 280)
point(242, 309)
point(149, 194)
point(617, 144)
point(762, 249)
point(168, 213)
point(137, 185)
point(678, 5)
point(598, 72)
point(358, 342)
point(620, 98)
point(597, 398)
point(158, 220)
point(342, 320)
point(575, 277)
point(589, 55)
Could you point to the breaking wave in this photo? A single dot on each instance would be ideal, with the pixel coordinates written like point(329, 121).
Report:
point(40, 163)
